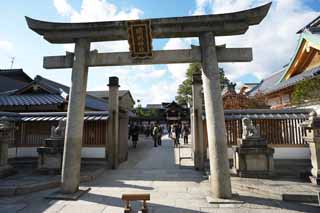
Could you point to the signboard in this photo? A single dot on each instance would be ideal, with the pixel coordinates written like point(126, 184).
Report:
point(140, 38)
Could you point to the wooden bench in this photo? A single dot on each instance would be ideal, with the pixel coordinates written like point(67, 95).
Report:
point(134, 197)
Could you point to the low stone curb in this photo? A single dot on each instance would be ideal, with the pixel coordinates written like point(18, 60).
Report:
point(259, 190)
point(15, 190)
point(294, 197)
point(305, 198)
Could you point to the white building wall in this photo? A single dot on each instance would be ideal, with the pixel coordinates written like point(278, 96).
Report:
point(286, 153)
point(86, 152)
point(99, 152)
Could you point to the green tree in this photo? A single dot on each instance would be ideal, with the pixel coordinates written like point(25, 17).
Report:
point(185, 88)
point(306, 90)
point(144, 112)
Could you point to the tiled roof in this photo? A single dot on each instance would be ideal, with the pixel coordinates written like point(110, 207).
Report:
point(312, 25)
point(267, 114)
point(53, 116)
point(266, 83)
point(17, 74)
point(91, 101)
point(271, 84)
point(13, 79)
point(294, 80)
point(9, 84)
point(56, 94)
point(105, 93)
point(31, 100)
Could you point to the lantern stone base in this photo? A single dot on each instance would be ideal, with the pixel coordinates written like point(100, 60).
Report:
point(253, 158)
point(50, 156)
point(6, 170)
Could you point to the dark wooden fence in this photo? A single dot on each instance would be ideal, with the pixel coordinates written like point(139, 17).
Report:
point(279, 127)
point(32, 134)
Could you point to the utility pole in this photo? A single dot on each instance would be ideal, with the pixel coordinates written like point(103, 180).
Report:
point(12, 61)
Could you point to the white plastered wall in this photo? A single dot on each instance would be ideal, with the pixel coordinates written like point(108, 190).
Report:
point(286, 153)
point(86, 152)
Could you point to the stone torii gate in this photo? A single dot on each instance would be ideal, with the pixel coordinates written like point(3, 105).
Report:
point(140, 33)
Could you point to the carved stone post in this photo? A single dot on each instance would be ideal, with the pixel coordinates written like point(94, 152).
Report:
point(7, 128)
point(217, 143)
point(74, 128)
point(197, 125)
point(312, 127)
point(113, 124)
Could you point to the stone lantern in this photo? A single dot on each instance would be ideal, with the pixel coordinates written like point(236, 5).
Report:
point(50, 155)
point(312, 137)
point(7, 128)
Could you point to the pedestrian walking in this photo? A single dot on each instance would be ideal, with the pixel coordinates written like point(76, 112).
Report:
point(155, 134)
point(159, 135)
point(135, 135)
point(185, 133)
point(177, 133)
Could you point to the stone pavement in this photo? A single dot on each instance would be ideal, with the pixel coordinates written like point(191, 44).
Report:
point(155, 171)
point(27, 180)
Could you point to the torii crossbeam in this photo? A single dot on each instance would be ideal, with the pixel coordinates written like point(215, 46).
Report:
point(139, 34)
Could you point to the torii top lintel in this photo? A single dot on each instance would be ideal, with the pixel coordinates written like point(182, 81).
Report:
point(189, 26)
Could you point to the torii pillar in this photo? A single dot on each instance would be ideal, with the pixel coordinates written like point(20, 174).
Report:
point(113, 124)
point(217, 143)
point(197, 124)
point(70, 177)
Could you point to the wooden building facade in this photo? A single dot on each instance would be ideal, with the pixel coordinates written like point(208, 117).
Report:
point(39, 104)
point(304, 65)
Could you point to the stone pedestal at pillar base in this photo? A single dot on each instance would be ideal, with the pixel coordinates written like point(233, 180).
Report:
point(58, 195)
point(6, 170)
point(312, 137)
point(50, 156)
point(253, 158)
point(314, 146)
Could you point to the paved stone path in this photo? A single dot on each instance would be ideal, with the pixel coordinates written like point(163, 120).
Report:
point(173, 188)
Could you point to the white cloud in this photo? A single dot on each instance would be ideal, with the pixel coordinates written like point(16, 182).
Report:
point(201, 5)
point(6, 45)
point(98, 10)
point(63, 7)
point(178, 71)
point(103, 10)
point(273, 41)
point(145, 82)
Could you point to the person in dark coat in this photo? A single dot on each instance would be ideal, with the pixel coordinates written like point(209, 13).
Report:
point(135, 135)
point(185, 133)
point(177, 131)
point(156, 132)
point(159, 136)
point(178, 134)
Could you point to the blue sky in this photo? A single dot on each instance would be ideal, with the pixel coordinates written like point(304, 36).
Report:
point(273, 41)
